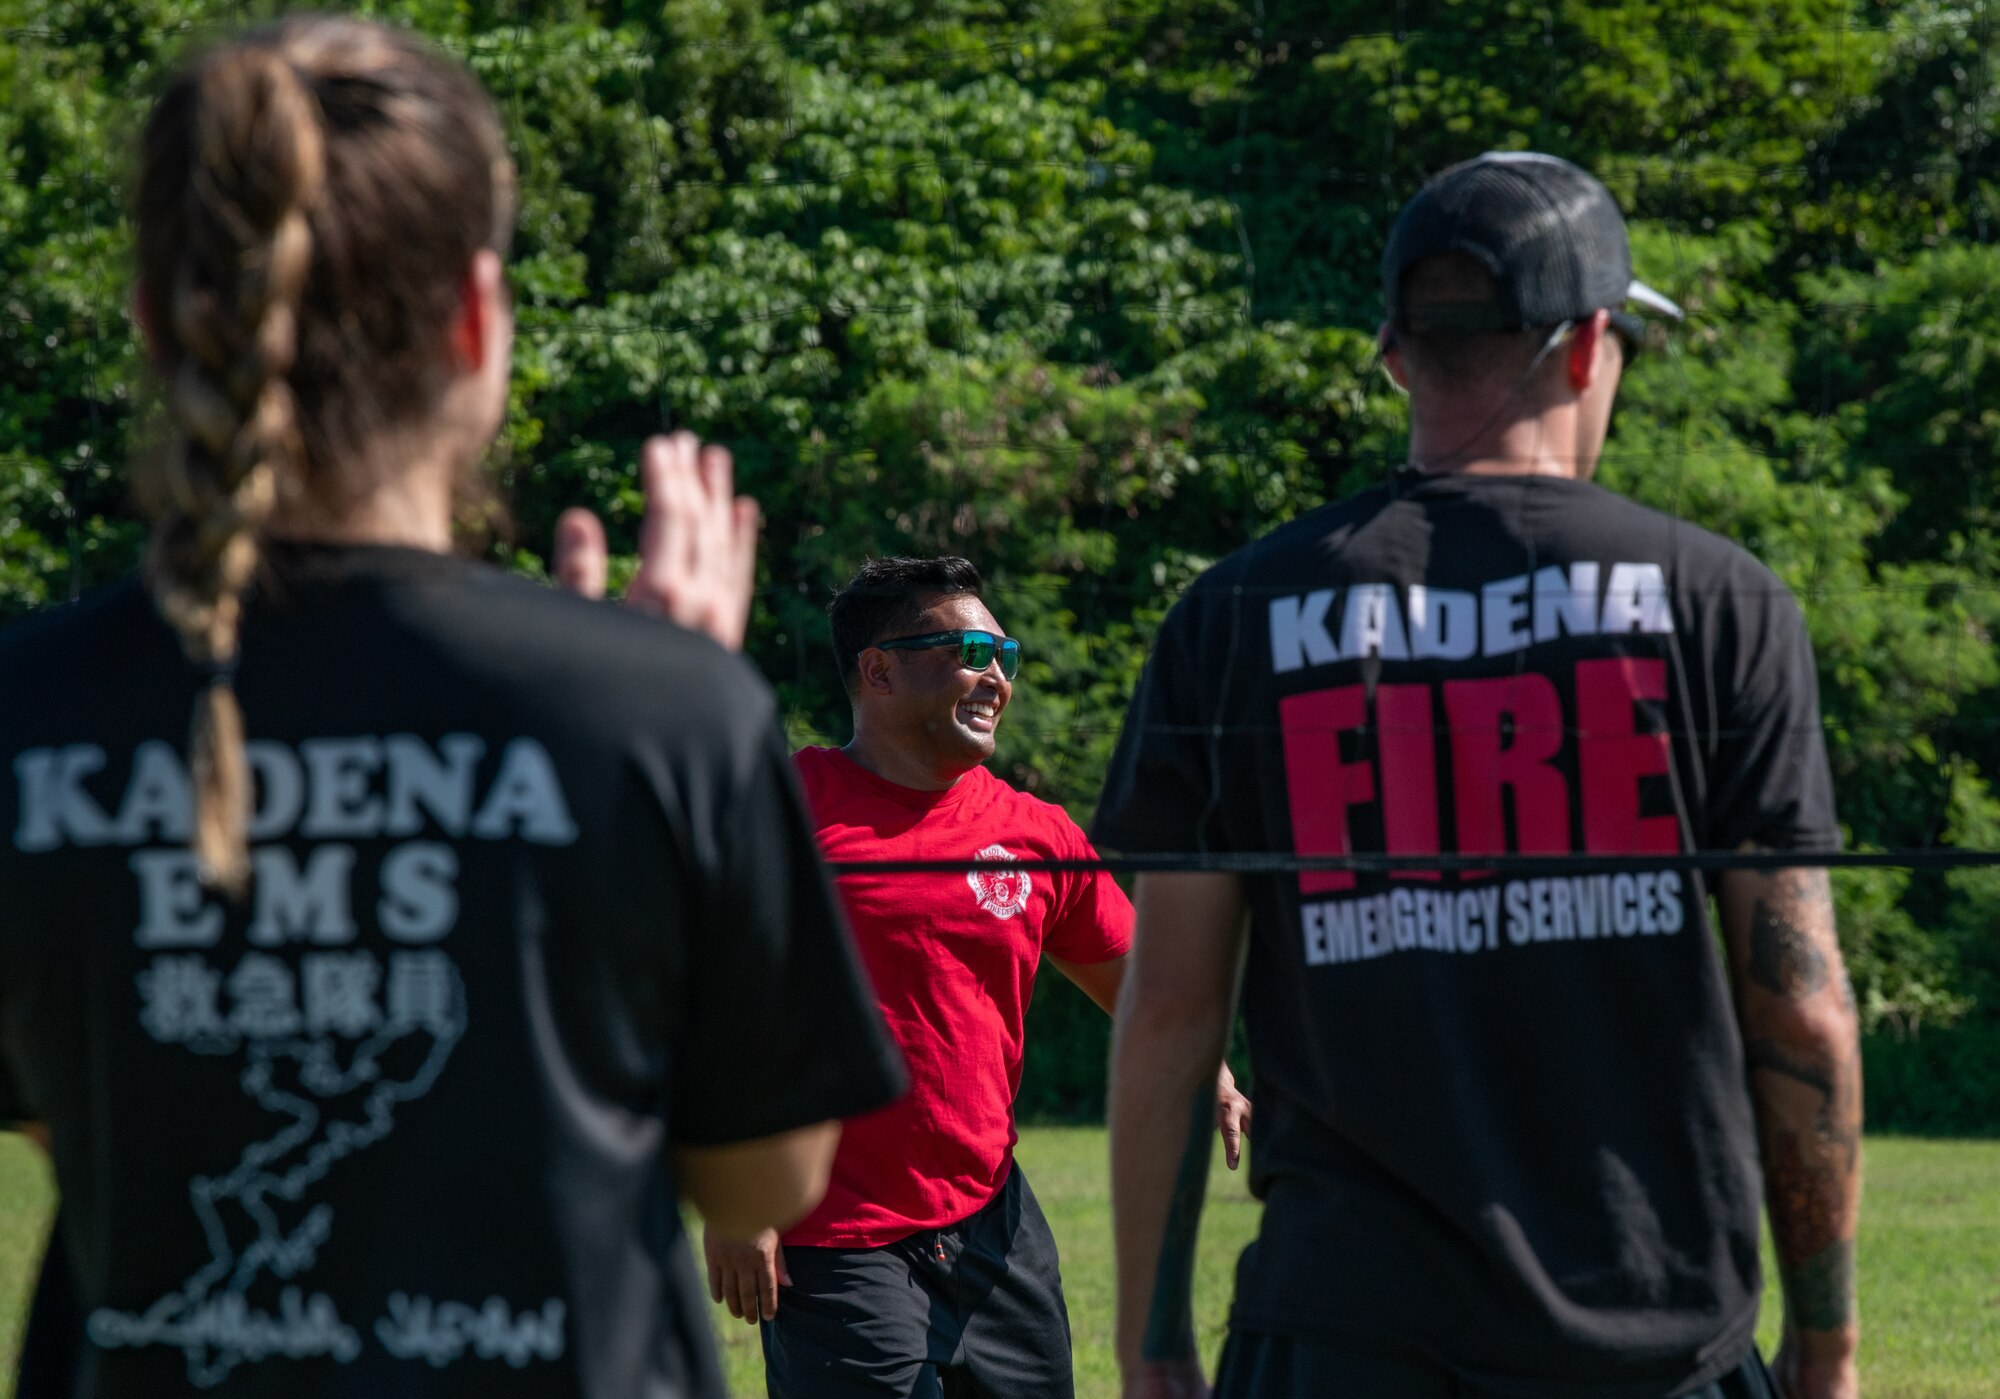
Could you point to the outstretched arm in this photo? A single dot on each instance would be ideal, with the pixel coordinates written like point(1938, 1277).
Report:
point(1173, 1020)
point(1101, 981)
point(1801, 1043)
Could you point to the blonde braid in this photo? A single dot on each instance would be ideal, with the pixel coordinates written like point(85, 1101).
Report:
point(258, 166)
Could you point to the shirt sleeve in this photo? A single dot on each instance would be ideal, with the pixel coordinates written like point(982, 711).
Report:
point(780, 1028)
point(1770, 785)
point(1094, 923)
point(1160, 790)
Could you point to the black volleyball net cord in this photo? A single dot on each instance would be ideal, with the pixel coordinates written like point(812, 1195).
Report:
point(1273, 862)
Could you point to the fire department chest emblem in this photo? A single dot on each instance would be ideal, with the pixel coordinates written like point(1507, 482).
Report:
point(1002, 893)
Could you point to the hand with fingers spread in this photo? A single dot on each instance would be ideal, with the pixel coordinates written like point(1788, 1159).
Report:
point(697, 543)
point(1232, 1116)
point(744, 1274)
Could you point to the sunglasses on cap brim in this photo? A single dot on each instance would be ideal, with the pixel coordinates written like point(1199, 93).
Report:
point(1631, 333)
point(1629, 328)
point(976, 649)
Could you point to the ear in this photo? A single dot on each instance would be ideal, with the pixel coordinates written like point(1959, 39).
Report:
point(875, 672)
point(1392, 357)
point(482, 307)
point(1586, 350)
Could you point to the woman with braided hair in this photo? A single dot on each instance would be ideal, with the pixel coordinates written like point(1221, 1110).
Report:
point(373, 923)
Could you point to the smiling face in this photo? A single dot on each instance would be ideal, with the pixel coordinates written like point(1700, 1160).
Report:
point(941, 713)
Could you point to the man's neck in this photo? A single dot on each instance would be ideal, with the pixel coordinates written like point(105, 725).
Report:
point(1459, 443)
point(898, 764)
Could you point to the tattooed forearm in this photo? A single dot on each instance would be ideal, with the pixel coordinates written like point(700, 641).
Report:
point(1788, 926)
point(1834, 1074)
point(1809, 1117)
point(1170, 1317)
point(1819, 1293)
point(1808, 1195)
point(1811, 1185)
point(1774, 1057)
point(1803, 1053)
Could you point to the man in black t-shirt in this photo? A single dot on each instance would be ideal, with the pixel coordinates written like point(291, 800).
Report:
point(409, 1118)
point(1508, 1126)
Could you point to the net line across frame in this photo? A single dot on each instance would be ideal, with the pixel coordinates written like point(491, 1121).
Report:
point(1472, 865)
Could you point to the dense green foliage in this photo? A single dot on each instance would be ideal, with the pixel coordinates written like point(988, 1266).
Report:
point(1086, 291)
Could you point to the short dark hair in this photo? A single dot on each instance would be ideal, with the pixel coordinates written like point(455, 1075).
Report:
point(887, 598)
point(1434, 291)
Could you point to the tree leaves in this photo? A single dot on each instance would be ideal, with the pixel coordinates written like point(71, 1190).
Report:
point(1088, 292)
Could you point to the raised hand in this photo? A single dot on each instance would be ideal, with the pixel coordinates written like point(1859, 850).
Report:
point(697, 543)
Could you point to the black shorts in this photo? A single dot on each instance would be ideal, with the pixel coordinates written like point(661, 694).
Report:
point(1271, 1366)
point(971, 1311)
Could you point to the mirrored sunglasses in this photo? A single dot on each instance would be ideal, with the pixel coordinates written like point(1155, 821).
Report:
point(976, 649)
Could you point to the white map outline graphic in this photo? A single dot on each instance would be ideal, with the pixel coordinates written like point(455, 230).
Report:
point(217, 1332)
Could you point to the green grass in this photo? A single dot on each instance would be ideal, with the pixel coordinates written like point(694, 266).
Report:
point(1930, 1261)
point(26, 1195)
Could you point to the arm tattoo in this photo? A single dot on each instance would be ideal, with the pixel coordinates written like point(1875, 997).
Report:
point(1170, 1317)
point(1785, 956)
point(1773, 1057)
point(1819, 1293)
point(1808, 1177)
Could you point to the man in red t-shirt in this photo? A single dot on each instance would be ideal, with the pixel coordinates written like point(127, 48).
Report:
point(928, 1268)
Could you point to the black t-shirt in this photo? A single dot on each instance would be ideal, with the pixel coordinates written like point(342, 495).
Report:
point(535, 902)
point(1500, 1121)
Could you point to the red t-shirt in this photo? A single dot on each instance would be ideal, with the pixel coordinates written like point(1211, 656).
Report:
point(953, 959)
